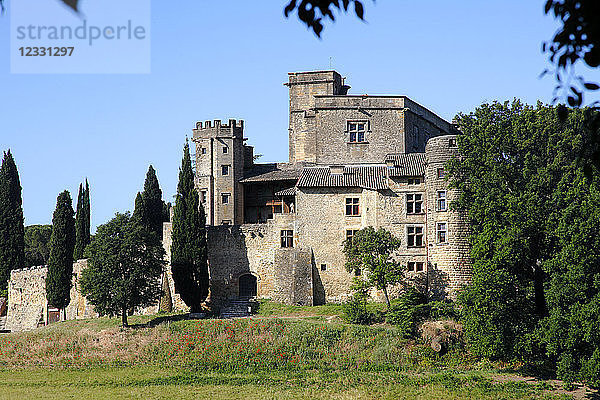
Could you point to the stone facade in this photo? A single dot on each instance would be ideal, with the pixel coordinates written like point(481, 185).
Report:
point(283, 227)
point(27, 304)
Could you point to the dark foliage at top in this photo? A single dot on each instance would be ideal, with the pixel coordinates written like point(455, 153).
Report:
point(578, 39)
point(312, 12)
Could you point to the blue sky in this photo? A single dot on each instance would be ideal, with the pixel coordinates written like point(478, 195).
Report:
point(214, 60)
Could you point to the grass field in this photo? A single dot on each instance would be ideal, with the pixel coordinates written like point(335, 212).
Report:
point(290, 356)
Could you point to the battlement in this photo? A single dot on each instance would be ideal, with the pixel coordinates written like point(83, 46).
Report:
point(217, 123)
point(218, 128)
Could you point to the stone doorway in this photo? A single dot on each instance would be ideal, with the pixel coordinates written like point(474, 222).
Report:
point(248, 286)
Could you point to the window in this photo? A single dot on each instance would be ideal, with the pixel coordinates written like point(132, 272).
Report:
point(414, 181)
point(225, 170)
point(226, 222)
point(414, 236)
point(441, 174)
point(442, 232)
point(203, 196)
point(352, 206)
point(452, 143)
point(350, 234)
point(203, 151)
point(414, 203)
point(225, 198)
point(415, 266)
point(356, 130)
point(441, 200)
point(225, 149)
point(323, 267)
point(287, 238)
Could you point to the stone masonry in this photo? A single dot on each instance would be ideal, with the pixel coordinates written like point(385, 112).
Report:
point(354, 161)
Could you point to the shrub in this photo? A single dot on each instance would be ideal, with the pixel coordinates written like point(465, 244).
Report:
point(410, 309)
point(355, 310)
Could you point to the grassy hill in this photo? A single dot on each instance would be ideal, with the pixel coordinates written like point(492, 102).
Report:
point(304, 356)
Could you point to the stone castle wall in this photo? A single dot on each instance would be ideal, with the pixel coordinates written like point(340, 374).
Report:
point(282, 274)
point(27, 304)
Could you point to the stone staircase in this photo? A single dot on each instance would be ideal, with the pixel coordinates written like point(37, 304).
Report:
point(238, 308)
point(3, 325)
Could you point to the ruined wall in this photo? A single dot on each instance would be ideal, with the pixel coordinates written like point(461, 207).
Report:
point(27, 304)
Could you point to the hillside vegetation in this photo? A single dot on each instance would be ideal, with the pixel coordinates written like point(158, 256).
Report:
point(170, 357)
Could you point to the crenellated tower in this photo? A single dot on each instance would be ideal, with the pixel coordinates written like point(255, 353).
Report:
point(220, 159)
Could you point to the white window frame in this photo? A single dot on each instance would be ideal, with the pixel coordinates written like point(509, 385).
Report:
point(439, 231)
point(225, 167)
point(439, 199)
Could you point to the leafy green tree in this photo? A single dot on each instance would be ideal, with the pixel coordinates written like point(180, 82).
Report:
point(189, 263)
point(534, 224)
point(125, 264)
point(62, 245)
point(149, 206)
point(371, 251)
point(570, 332)
point(37, 244)
point(12, 231)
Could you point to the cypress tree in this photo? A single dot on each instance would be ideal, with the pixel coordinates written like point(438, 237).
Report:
point(152, 217)
point(62, 244)
point(80, 225)
point(82, 221)
point(138, 210)
point(12, 230)
point(88, 215)
point(189, 263)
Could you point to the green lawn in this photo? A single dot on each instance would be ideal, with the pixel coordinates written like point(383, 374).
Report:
point(259, 358)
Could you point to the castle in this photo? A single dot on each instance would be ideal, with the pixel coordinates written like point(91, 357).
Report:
point(277, 230)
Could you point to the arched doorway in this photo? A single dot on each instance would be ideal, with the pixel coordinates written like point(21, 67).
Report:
point(247, 285)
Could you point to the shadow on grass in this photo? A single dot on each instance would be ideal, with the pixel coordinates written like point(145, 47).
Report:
point(165, 319)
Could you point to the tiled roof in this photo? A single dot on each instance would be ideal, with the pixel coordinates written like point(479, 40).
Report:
point(368, 177)
point(271, 172)
point(287, 192)
point(411, 164)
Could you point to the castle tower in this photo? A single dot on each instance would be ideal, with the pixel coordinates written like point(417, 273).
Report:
point(219, 168)
point(303, 87)
point(447, 229)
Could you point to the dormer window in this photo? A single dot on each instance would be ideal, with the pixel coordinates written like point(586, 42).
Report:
point(357, 131)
